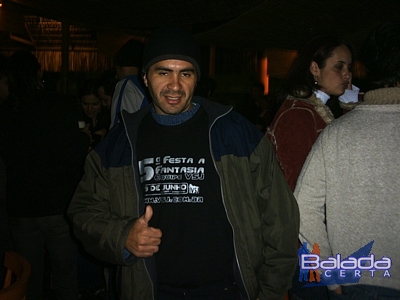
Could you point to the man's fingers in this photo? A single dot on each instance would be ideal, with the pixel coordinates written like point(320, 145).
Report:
point(143, 241)
point(147, 243)
point(150, 235)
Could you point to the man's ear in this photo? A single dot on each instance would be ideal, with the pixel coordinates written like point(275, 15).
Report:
point(314, 69)
point(145, 79)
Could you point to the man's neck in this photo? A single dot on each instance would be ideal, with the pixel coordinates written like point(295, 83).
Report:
point(172, 120)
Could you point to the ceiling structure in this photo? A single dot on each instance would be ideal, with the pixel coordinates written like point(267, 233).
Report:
point(254, 24)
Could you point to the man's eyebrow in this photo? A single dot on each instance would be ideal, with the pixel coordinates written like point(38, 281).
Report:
point(187, 70)
point(161, 68)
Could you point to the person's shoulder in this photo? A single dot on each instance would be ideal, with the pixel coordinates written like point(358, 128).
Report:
point(301, 103)
point(114, 150)
point(238, 128)
point(293, 109)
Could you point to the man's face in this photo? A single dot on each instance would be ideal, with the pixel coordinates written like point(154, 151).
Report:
point(171, 84)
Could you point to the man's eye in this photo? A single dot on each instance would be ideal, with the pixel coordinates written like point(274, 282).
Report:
point(186, 74)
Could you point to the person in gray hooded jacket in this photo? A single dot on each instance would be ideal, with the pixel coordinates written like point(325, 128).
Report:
point(348, 191)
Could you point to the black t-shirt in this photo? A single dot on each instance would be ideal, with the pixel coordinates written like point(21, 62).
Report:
point(180, 182)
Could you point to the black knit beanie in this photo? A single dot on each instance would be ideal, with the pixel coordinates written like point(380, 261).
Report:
point(130, 54)
point(171, 43)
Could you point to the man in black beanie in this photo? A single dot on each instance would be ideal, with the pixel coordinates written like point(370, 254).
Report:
point(129, 94)
point(188, 198)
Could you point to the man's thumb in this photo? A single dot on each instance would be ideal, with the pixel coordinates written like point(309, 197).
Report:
point(148, 214)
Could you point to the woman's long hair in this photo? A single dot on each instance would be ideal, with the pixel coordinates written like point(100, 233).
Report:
point(300, 81)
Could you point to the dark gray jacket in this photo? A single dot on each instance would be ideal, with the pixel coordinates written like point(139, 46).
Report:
point(259, 204)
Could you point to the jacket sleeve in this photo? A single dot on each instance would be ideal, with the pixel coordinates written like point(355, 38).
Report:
point(310, 193)
point(293, 135)
point(100, 229)
point(280, 227)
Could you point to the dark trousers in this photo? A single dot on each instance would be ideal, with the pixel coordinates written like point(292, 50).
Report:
point(31, 236)
point(365, 292)
point(224, 290)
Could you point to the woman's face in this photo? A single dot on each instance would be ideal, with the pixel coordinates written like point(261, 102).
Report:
point(91, 105)
point(335, 76)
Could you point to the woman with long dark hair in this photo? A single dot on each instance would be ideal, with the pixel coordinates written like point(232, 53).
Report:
point(322, 69)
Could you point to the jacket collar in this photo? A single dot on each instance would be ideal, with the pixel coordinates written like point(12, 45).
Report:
point(382, 96)
point(213, 110)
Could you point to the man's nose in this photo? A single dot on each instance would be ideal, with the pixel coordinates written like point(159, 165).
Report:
point(175, 82)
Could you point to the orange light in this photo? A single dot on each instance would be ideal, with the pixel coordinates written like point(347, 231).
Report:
point(264, 78)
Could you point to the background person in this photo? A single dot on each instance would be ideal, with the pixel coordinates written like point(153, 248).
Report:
point(353, 170)
point(93, 113)
point(255, 106)
point(5, 236)
point(130, 93)
point(4, 69)
point(321, 69)
point(106, 88)
point(42, 149)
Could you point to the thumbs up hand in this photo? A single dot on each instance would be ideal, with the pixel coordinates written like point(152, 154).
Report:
point(143, 241)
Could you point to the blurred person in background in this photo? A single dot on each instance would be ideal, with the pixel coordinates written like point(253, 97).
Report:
point(5, 237)
point(43, 150)
point(130, 93)
point(93, 113)
point(4, 92)
point(348, 191)
point(107, 81)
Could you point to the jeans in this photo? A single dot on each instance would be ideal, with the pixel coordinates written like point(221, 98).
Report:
point(365, 292)
point(32, 237)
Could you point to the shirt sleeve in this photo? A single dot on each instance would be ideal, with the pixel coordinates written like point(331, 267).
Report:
point(311, 198)
point(350, 96)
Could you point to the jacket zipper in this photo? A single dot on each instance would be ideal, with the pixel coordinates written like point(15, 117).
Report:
point(138, 205)
point(223, 201)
